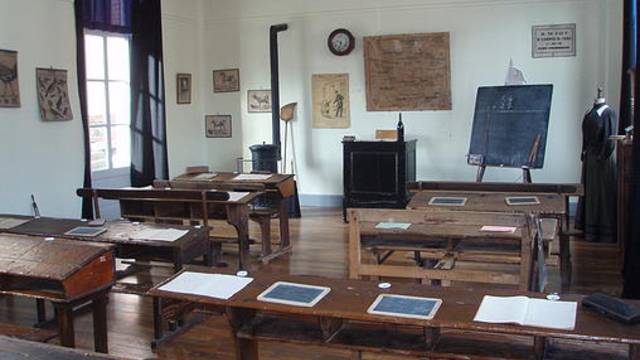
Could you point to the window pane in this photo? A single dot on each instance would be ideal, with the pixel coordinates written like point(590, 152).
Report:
point(120, 146)
point(96, 103)
point(99, 155)
point(94, 56)
point(119, 103)
point(118, 58)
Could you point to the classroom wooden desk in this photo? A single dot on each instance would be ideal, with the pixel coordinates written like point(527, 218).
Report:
point(67, 273)
point(279, 187)
point(445, 236)
point(193, 244)
point(15, 349)
point(341, 320)
point(180, 205)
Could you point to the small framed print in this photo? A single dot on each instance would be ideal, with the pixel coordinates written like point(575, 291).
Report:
point(10, 95)
point(183, 84)
point(227, 80)
point(218, 126)
point(259, 101)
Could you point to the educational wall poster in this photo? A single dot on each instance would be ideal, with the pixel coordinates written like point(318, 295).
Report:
point(408, 72)
point(553, 40)
point(218, 126)
point(53, 95)
point(259, 101)
point(330, 96)
point(183, 82)
point(9, 90)
point(226, 80)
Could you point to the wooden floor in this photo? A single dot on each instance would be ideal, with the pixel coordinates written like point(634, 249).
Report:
point(319, 242)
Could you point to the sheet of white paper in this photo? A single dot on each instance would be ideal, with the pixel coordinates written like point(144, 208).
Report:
point(551, 314)
point(212, 285)
point(392, 225)
point(252, 177)
point(507, 229)
point(9, 223)
point(159, 234)
point(496, 309)
point(205, 176)
point(235, 196)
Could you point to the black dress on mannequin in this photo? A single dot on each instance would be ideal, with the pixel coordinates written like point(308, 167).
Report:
point(597, 209)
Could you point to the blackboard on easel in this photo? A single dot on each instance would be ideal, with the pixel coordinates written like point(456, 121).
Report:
point(510, 126)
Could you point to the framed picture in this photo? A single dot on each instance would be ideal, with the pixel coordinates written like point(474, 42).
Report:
point(330, 98)
point(9, 90)
point(53, 95)
point(259, 101)
point(218, 126)
point(226, 80)
point(183, 84)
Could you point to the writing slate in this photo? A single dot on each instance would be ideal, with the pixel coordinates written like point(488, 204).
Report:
point(86, 231)
point(447, 201)
point(405, 306)
point(508, 123)
point(522, 200)
point(283, 292)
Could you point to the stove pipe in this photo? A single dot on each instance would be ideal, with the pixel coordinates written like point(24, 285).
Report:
point(275, 86)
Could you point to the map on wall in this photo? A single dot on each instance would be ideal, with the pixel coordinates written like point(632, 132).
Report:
point(408, 72)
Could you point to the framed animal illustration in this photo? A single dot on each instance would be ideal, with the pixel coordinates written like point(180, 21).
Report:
point(183, 82)
point(218, 126)
point(53, 95)
point(227, 80)
point(9, 90)
point(259, 101)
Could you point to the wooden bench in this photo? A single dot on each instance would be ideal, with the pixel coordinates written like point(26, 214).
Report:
point(27, 333)
point(16, 349)
point(448, 238)
point(341, 320)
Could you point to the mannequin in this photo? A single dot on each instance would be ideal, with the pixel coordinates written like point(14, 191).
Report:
point(597, 209)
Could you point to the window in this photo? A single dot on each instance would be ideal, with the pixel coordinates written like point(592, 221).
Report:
point(108, 100)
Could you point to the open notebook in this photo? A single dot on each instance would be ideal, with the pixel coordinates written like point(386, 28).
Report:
point(526, 311)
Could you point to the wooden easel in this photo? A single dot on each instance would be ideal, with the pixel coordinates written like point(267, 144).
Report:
point(526, 169)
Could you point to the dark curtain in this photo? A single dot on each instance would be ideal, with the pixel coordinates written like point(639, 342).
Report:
point(148, 131)
point(629, 60)
point(79, 5)
point(107, 15)
point(632, 244)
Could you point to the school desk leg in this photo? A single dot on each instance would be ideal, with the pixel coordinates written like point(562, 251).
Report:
point(539, 344)
point(64, 313)
point(246, 349)
point(157, 318)
point(100, 330)
point(634, 352)
point(238, 216)
point(41, 310)
point(283, 210)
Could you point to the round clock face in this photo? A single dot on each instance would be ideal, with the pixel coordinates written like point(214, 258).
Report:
point(341, 42)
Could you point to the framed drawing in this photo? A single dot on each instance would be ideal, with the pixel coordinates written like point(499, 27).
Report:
point(218, 126)
point(259, 101)
point(330, 97)
point(53, 95)
point(227, 80)
point(408, 72)
point(183, 82)
point(9, 89)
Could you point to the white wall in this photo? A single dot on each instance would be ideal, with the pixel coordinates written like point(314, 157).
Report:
point(484, 36)
point(43, 158)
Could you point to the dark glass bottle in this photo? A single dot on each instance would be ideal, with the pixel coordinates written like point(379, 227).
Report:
point(400, 128)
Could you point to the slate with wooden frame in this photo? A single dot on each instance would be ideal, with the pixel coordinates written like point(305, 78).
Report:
point(408, 72)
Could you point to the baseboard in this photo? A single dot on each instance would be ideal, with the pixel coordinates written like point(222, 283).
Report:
point(321, 201)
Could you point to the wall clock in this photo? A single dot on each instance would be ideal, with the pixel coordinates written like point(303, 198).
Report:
point(341, 42)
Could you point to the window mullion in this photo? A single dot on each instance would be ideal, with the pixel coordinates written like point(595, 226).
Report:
point(107, 102)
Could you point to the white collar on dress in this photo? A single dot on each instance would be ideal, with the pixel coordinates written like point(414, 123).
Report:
point(601, 110)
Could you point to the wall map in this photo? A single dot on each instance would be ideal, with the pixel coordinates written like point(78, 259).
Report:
point(408, 72)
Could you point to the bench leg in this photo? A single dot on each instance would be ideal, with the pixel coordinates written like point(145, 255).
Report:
point(64, 313)
point(539, 344)
point(100, 330)
point(634, 352)
point(246, 349)
point(157, 318)
point(41, 310)
point(265, 235)
point(565, 261)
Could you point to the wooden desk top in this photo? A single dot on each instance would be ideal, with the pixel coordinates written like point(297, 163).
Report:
point(16, 349)
point(228, 177)
point(118, 232)
point(35, 257)
point(440, 225)
point(550, 204)
point(177, 194)
point(283, 183)
point(540, 188)
point(350, 299)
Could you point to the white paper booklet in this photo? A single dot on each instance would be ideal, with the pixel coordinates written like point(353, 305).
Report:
point(392, 225)
point(235, 196)
point(205, 176)
point(253, 177)
point(212, 285)
point(159, 234)
point(526, 311)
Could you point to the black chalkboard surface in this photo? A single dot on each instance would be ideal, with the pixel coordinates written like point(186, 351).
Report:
point(510, 126)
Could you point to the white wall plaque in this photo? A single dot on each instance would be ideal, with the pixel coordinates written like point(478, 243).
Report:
point(553, 40)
